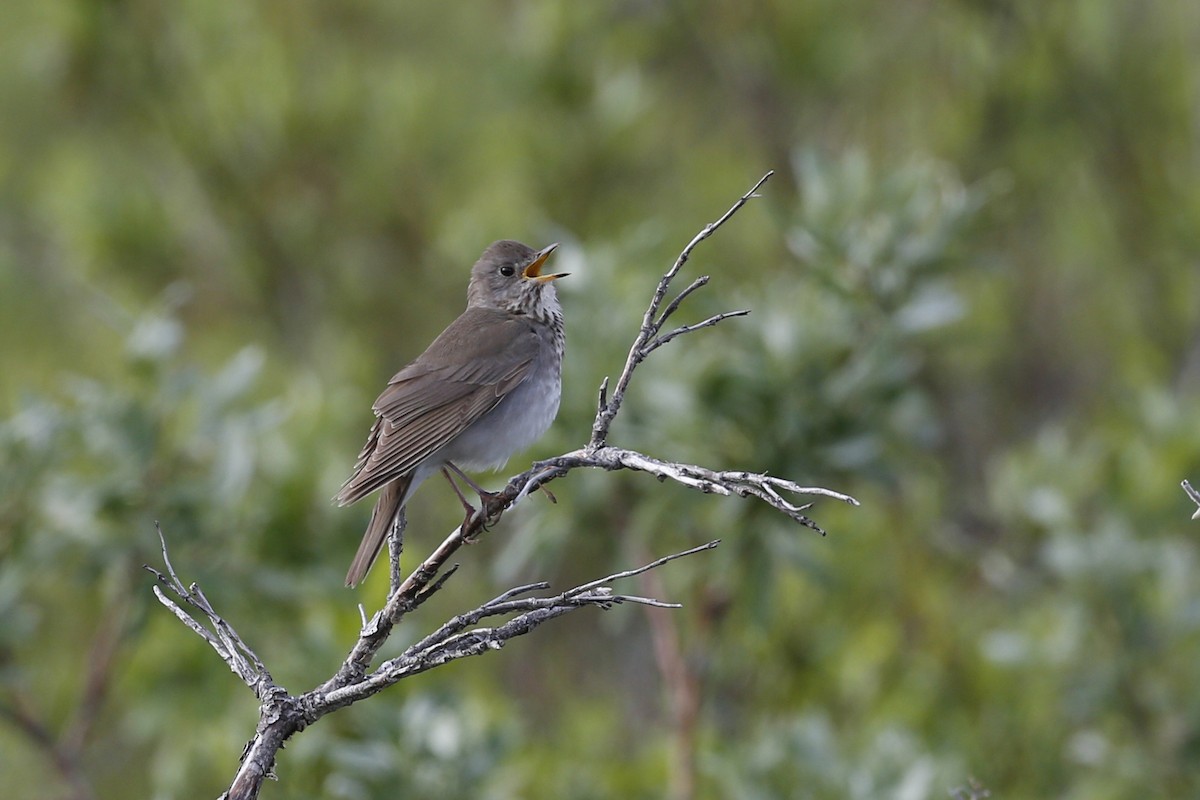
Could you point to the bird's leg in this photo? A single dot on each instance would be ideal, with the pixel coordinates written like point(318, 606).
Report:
point(484, 495)
point(470, 509)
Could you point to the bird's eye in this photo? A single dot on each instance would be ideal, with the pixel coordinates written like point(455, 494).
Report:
point(508, 270)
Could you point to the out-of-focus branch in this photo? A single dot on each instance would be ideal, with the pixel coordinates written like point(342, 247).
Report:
point(681, 684)
point(64, 748)
point(17, 710)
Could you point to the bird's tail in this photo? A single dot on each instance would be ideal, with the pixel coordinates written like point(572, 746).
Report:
point(391, 499)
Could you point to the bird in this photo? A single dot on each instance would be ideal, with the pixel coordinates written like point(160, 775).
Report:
point(487, 387)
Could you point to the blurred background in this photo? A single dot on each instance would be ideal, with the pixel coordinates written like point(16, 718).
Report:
point(976, 306)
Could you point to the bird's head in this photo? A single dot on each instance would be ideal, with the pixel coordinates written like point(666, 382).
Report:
point(509, 276)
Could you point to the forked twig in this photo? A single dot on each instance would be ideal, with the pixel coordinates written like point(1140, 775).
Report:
point(653, 321)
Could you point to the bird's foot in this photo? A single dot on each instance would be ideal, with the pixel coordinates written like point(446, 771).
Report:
point(487, 519)
point(485, 498)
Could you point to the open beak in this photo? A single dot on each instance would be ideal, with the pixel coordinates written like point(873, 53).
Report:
point(534, 271)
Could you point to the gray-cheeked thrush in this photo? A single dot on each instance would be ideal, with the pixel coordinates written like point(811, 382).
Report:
point(487, 387)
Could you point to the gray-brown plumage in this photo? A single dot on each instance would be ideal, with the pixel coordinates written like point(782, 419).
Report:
point(487, 387)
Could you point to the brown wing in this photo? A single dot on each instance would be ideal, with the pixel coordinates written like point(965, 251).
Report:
point(457, 380)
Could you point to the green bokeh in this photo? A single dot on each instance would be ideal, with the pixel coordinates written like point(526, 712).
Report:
point(976, 307)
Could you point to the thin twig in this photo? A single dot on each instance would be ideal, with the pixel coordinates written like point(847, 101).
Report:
point(673, 306)
point(629, 573)
point(429, 591)
point(659, 341)
point(602, 400)
point(242, 661)
point(651, 322)
point(459, 638)
point(518, 590)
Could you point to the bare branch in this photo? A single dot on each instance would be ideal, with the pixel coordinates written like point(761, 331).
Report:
point(428, 591)
point(517, 590)
point(673, 306)
point(396, 548)
point(659, 341)
point(652, 322)
point(708, 231)
point(459, 638)
point(220, 636)
point(725, 482)
point(602, 400)
point(1195, 495)
point(629, 573)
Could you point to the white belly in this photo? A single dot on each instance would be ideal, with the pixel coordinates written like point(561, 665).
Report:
point(517, 422)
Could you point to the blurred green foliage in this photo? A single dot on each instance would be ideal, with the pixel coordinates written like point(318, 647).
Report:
point(976, 308)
